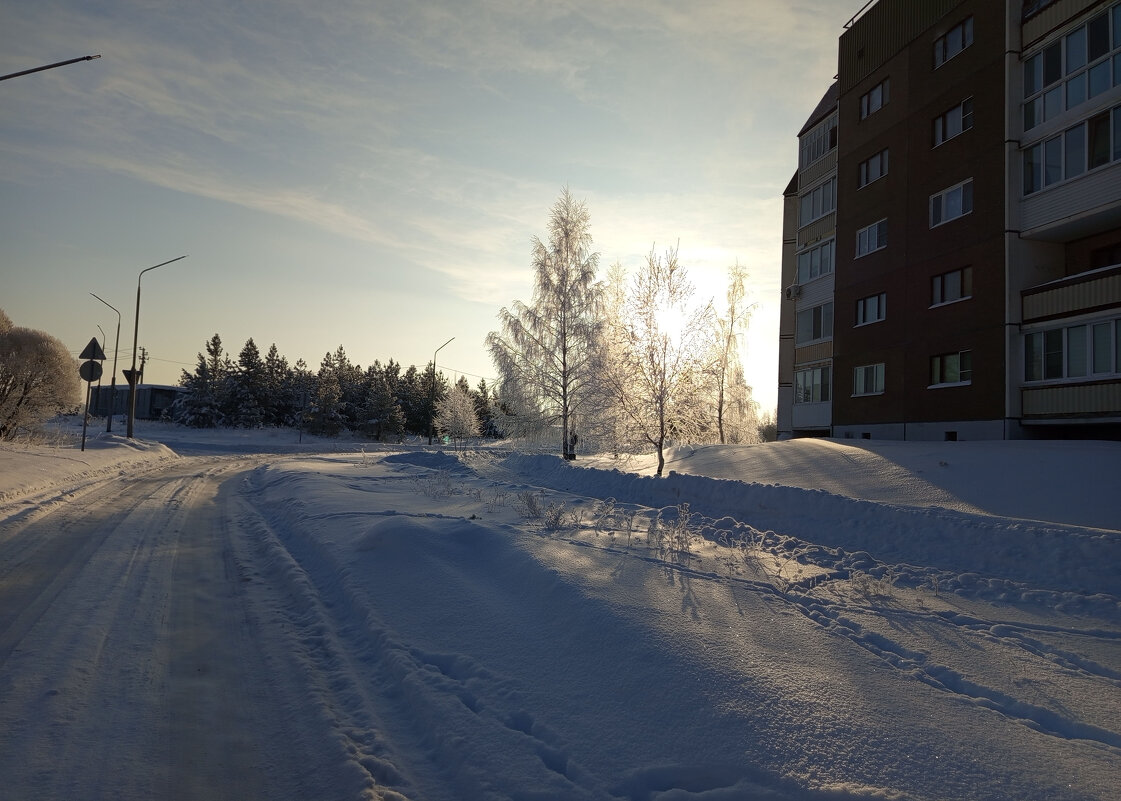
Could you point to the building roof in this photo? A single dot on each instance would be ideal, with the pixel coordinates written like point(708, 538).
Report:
point(827, 103)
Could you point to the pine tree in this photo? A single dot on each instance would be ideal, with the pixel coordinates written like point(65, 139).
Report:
point(279, 404)
point(384, 419)
point(247, 389)
point(199, 406)
point(326, 411)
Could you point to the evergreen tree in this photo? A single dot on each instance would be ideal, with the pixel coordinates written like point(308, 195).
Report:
point(484, 410)
point(384, 419)
point(247, 391)
point(199, 406)
point(326, 411)
point(279, 405)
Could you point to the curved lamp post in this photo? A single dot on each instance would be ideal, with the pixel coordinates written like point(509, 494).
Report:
point(432, 393)
point(113, 380)
point(135, 337)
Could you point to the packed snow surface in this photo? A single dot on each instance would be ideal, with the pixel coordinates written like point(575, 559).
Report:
point(263, 615)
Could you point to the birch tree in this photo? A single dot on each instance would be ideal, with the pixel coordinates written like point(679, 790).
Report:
point(547, 352)
point(659, 371)
point(728, 328)
point(38, 378)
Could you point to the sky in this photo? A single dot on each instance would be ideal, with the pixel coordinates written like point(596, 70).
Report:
point(371, 174)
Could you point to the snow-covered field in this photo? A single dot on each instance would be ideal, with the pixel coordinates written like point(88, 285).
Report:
point(238, 615)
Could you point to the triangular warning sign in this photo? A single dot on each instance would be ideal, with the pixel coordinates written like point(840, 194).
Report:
point(93, 351)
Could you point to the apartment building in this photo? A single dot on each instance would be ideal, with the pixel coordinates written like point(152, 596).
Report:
point(809, 248)
point(976, 286)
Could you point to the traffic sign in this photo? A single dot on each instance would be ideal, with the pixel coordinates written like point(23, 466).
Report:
point(93, 351)
point(90, 371)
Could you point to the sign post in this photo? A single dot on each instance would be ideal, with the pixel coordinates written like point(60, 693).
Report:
point(90, 371)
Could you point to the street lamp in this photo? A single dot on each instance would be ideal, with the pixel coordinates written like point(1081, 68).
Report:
point(135, 337)
point(49, 66)
point(113, 381)
point(432, 393)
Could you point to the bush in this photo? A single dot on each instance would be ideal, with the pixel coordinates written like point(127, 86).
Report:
point(38, 378)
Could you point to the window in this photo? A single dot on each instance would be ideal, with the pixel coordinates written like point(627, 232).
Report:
point(811, 386)
point(1074, 351)
point(818, 202)
point(868, 379)
point(949, 204)
point(873, 168)
point(952, 286)
point(951, 368)
point(817, 142)
point(872, 238)
point(874, 99)
point(1083, 58)
point(953, 122)
point(814, 324)
point(958, 38)
point(871, 309)
point(816, 261)
point(1088, 145)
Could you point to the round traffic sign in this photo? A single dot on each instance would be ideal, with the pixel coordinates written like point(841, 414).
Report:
point(90, 371)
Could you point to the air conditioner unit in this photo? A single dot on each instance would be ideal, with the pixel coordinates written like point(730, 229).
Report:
point(793, 291)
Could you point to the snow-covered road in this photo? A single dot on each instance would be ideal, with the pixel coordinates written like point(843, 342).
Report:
point(426, 626)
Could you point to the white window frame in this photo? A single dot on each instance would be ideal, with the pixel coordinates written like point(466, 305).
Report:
point(821, 324)
point(872, 309)
point(1070, 342)
point(821, 139)
point(812, 385)
point(938, 283)
point(818, 261)
point(954, 42)
point(873, 168)
point(875, 98)
point(860, 380)
point(817, 202)
point(1067, 72)
point(939, 364)
point(871, 238)
point(951, 203)
point(954, 122)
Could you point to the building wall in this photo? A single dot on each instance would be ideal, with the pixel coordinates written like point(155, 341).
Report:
point(900, 36)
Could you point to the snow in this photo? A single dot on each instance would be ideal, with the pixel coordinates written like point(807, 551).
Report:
point(825, 619)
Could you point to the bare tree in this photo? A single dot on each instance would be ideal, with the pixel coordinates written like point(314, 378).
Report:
point(38, 378)
point(728, 328)
point(660, 368)
point(547, 352)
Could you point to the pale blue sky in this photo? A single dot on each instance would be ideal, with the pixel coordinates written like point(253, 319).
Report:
point(370, 172)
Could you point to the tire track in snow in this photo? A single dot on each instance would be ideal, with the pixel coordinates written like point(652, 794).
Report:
point(374, 688)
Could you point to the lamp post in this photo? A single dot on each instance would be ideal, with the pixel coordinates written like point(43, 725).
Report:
point(432, 393)
point(113, 380)
point(135, 337)
point(49, 66)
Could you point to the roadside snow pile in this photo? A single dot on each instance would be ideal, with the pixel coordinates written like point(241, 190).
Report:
point(26, 470)
point(982, 555)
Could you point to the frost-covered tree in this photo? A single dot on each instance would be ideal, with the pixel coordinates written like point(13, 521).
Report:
point(455, 413)
point(730, 385)
point(547, 353)
point(659, 369)
point(38, 378)
point(199, 406)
